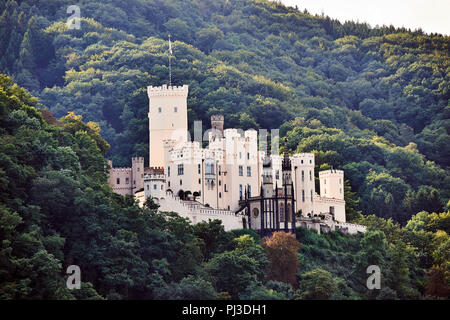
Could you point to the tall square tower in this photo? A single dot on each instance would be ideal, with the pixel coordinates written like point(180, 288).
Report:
point(167, 119)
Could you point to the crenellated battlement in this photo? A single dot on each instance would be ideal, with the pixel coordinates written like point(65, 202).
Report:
point(166, 90)
point(331, 172)
point(137, 159)
point(121, 169)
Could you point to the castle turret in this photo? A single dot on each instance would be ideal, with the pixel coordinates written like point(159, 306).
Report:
point(167, 119)
point(332, 184)
point(217, 122)
point(154, 184)
point(137, 173)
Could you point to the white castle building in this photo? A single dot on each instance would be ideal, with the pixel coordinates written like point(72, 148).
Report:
point(230, 179)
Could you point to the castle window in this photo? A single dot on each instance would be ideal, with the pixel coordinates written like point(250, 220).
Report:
point(310, 161)
point(249, 171)
point(127, 180)
point(303, 195)
point(241, 171)
point(220, 182)
point(155, 187)
point(181, 182)
point(302, 161)
point(303, 175)
point(159, 110)
point(134, 182)
point(277, 174)
point(311, 196)
point(281, 212)
point(168, 171)
point(240, 192)
point(310, 175)
point(225, 188)
point(340, 190)
point(161, 187)
point(220, 194)
point(148, 187)
point(180, 169)
point(118, 181)
point(168, 184)
point(199, 168)
point(175, 109)
point(325, 181)
point(139, 169)
point(249, 188)
point(248, 155)
point(199, 181)
point(220, 170)
point(340, 181)
point(240, 155)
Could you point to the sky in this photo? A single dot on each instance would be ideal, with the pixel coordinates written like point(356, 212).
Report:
point(430, 15)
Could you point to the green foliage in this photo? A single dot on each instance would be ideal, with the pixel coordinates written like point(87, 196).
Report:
point(372, 101)
point(317, 284)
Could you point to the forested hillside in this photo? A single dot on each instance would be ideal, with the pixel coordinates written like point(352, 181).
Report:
point(371, 101)
point(56, 210)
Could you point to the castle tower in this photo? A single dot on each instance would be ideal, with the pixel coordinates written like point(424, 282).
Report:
point(332, 184)
point(137, 173)
point(167, 119)
point(154, 184)
point(217, 122)
point(304, 181)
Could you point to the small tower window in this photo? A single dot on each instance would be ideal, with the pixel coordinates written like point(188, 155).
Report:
point(127, 180)
point(118, 181)
point(303, 175)
point(310, 175)
point(199, 168)
point(303, 195)
point(241, 171)
point(249, 171)
point(159, 110)
point(155, 186)
point(175, 109)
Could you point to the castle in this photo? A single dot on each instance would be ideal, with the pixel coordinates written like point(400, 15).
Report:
point(231, 179)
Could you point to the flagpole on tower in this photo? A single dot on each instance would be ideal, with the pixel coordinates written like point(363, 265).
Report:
point(170, 65)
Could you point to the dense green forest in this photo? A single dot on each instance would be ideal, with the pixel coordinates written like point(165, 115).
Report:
point(371, 101)
point(56, 210)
